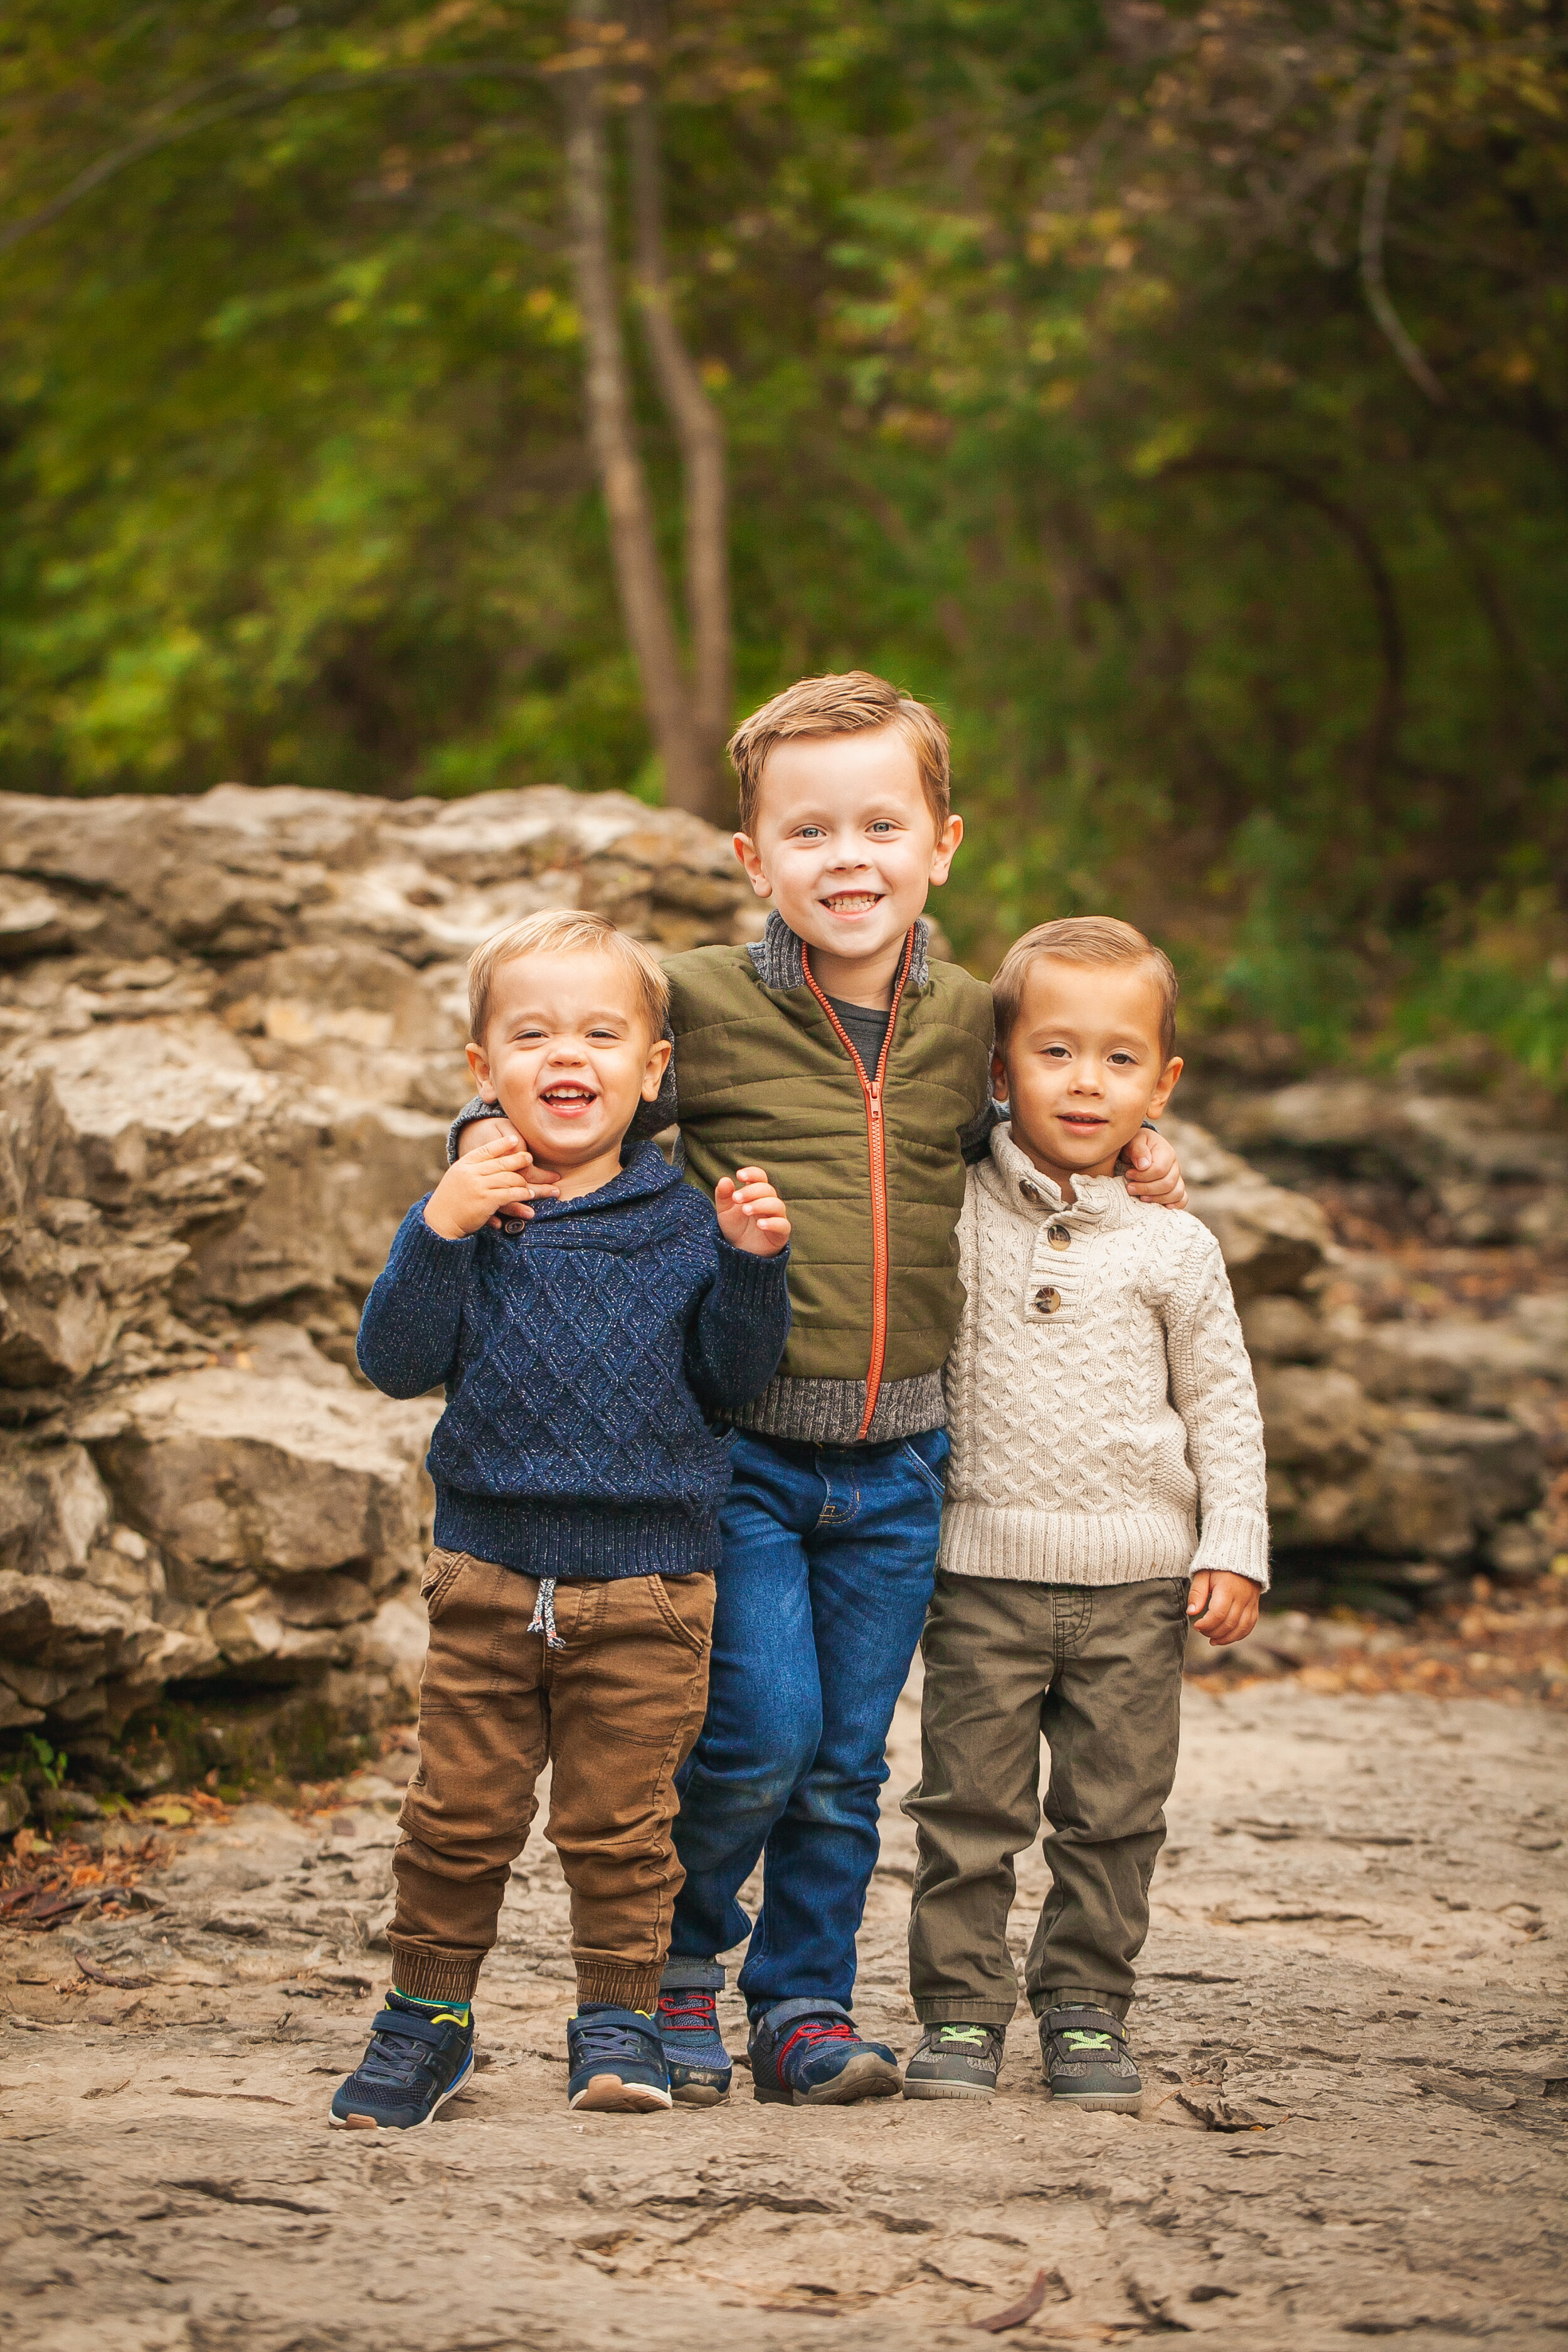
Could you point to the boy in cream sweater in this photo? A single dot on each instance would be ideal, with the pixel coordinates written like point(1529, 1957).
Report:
point(1105, 1491)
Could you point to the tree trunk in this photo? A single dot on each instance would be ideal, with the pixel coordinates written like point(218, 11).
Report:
point(645, 599)
point(698, 429)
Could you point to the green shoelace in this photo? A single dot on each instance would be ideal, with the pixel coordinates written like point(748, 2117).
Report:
point(1076, 2040)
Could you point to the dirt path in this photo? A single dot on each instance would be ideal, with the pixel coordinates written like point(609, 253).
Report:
point(1356, 2124)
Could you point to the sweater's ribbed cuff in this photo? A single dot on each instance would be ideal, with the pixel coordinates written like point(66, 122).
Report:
point(431, 1263)
point(1235, 1543)
point(749, 1285)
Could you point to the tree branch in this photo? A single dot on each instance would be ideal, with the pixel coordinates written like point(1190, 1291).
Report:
point(640, 578)
point(1373, 220)
point(700, 432)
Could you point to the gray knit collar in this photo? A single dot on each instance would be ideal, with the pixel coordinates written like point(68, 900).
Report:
point(1010, 1175)
point(779, 956)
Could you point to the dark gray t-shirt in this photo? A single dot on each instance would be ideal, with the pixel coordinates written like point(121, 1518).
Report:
point(866, 1029)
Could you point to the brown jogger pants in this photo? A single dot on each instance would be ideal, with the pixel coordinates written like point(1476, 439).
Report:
point(615, 1711)
point(1097, 1669)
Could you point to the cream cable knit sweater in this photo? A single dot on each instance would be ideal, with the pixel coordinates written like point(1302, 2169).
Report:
point(1100, 1397)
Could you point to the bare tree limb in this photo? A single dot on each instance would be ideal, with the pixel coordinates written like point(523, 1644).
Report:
point(698, 429)
point(640, 577)
point(1373, 220)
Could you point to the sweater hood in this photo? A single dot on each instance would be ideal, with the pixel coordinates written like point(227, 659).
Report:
point(779, 956)
point(1009, 1175)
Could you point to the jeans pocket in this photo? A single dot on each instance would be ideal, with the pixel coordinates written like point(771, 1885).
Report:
point(935, 1479)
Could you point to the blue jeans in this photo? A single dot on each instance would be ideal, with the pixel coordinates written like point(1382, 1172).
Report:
point(829, 1554)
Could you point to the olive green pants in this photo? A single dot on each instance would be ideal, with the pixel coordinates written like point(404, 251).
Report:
point(1096, 1669)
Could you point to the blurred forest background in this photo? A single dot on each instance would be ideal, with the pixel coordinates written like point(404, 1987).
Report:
point(425, 399)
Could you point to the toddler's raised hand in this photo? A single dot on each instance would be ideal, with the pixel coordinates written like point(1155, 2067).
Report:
point(496, 1178)
point(482, 1134)
point(750, 1214)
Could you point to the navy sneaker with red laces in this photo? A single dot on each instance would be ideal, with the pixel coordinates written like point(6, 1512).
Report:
point(807, 2053)
point(699, 2065)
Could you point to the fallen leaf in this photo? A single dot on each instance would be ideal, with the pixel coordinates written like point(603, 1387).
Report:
point(1017, 2313)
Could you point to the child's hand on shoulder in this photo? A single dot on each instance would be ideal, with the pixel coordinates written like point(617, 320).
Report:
point(494, 1178)
point(750, 1214)
point(1223, 1606)
point(1152, 1170)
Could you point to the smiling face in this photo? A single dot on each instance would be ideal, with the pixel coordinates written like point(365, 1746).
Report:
point(568, 1054)
point(846, 847)
point(1083, 1067)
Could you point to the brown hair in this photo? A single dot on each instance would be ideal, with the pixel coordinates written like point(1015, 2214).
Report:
point(563, 931)
point(842, 705)
point(1084, 939)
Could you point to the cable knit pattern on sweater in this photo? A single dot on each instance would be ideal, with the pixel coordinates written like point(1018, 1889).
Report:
point(1100, 1397)
point(584, 1355)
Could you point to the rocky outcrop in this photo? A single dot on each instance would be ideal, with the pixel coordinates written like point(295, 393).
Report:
point(1486, 1162)
point(231, 1036)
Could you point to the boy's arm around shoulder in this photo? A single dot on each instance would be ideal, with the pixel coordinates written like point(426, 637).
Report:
point(1213, 1389)
point(737, 1335)
point(408, 1333)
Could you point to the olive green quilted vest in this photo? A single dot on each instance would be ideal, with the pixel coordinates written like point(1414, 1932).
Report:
point(762, 1074)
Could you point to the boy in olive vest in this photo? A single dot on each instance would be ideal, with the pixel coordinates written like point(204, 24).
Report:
point(855, 1067)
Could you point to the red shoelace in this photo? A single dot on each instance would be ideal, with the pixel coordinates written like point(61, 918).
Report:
point(813, 2030)
point(687, 2013)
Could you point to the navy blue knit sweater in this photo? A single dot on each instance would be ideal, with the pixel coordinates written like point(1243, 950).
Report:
point(582, 1357)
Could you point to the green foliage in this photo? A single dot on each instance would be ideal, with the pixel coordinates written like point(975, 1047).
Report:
point(47, 1764)
point(1052, 388)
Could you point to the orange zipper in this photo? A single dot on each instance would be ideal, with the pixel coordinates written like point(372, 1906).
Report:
point(877, 1147)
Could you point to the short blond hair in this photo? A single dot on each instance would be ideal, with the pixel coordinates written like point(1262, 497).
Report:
point(844, 704)
point(564, 931)
point(1085, 940)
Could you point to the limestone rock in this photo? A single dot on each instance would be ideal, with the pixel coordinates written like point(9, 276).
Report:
point(1313, 1416)
point(1496, 1174)
point(1272, 1239)
point(278, 1476)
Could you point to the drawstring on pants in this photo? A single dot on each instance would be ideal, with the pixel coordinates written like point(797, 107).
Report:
point(544, 1618)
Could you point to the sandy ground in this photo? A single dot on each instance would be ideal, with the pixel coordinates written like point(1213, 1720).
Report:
point(1356, 2126)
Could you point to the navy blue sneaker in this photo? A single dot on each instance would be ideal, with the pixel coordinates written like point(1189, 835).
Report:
point(699, 2065)
point(415, 2063)
point(806, 2053)
point(617, 2062)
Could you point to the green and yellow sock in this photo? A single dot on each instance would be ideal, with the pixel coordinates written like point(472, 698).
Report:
point(439, 2012)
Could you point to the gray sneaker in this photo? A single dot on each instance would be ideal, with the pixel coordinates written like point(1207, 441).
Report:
point(1088, 2061)
point(954, 2062)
